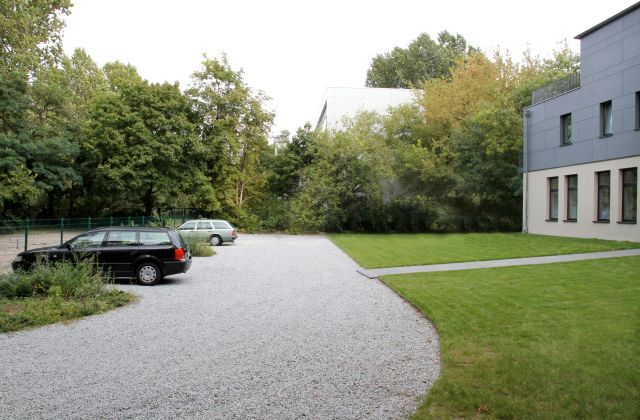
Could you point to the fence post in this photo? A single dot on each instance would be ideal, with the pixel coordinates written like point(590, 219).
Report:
point(61, 230)
point(110, 221)
point(128, 220)
point(26, 234)
point(183, 215)
point(88, 223)
point(142, 221)
point(173, 219)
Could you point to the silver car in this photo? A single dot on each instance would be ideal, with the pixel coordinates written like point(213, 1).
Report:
point(214, 231)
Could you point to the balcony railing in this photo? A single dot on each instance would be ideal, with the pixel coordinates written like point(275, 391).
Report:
point(556, 88)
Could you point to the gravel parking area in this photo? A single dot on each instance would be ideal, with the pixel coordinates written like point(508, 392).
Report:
point(274, 326)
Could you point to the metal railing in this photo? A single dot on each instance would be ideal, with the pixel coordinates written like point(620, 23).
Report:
point(556, 88)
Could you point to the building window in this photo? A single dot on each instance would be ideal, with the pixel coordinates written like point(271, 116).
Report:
point(604, 196)
point(565, 129)
point(572, 198)
point(637, 110)
point(606, 119)
point(553, 199)
point(630, 195)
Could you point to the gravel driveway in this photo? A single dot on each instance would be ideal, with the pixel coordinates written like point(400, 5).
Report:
point(274, 326)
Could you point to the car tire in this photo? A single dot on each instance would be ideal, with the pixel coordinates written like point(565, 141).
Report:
point(148, 274)
point(215, 240)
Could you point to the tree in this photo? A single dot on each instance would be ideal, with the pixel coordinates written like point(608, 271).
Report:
point(423, 59)
point(30, 33)
point(142, 144)
point(233, 126)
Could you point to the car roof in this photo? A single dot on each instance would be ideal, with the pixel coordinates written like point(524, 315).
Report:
point(143, 228)
point(206, 220)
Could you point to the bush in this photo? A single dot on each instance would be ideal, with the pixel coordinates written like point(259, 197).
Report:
point(55, 292)
point(200, 249)
point(80, 280)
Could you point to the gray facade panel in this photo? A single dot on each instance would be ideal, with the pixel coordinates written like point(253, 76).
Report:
point(610, 70)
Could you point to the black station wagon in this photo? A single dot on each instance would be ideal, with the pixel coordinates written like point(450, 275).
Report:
point(145, 253)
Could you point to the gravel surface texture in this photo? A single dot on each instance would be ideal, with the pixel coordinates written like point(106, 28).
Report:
point(274, 326)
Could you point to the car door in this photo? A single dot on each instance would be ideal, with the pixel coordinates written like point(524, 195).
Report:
point(119, 251)
point(188, 230)
point(204, 230)
point(88, 245)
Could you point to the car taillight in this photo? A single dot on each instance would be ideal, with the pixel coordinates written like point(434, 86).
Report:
point(179, 254)
point(233, 233)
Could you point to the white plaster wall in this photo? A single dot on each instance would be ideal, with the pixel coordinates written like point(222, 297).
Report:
point(585, 227)
point(348, 102)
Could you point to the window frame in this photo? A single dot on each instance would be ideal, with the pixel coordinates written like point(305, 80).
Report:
point(600, 187)
point(551, 190)
point(637, 110)
point(604, 106)
point(566, 140)
point(624, 196)
point(569, 190)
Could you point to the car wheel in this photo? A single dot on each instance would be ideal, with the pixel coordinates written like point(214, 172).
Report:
point(148, 274)
point(215, 240)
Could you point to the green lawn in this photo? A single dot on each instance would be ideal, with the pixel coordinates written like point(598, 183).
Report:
point(394, 250)
point(550, 341)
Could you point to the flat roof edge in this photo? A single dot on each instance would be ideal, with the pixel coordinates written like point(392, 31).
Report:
point(609, 20)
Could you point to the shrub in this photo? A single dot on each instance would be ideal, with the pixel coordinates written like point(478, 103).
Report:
point(200, 249)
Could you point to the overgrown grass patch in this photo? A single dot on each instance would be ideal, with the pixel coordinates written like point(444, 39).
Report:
point(201, 249)
point(545, 341)
point(394, 250)
point(55, 292)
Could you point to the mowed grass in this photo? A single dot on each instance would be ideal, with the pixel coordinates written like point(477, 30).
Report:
point(546, 341)
point(395, 250)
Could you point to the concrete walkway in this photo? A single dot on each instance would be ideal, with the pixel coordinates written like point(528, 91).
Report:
point(375, 273)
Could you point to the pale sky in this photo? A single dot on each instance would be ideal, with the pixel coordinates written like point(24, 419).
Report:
point(294, 50)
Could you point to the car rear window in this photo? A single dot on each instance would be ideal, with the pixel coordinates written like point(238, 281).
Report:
point(221, 225)
point(155, 238)
point(121, 238)
point(179, 239)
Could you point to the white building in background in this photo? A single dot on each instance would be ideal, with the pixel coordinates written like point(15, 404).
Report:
point(341, 102)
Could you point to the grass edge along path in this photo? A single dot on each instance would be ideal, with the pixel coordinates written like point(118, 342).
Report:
point(546, 341)
point(397, 250)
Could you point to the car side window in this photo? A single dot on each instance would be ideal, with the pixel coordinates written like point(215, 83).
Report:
point(204, 225)
point(121, 238)
point(154, 238)
point(188, 226)
point(221, 225)
point(89, 240)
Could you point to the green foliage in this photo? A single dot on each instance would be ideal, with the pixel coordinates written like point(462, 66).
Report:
point(55, 292)
point(201, 249)
point(422, 60)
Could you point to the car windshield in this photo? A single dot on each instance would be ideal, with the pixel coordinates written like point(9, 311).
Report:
point(188, 226)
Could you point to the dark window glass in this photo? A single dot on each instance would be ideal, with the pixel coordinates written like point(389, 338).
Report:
point(121, 238)
point(604, 196)
point(572, 198)
point(188, 226)
point(637, 110)
point(89, 240)
point(630, 195)
point(566, 129)
point(606, 119)
point(204, 225)
point(553, 198)
point(154, 238)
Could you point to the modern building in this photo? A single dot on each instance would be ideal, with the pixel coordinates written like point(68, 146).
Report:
point(582, 140)
point(341, 102)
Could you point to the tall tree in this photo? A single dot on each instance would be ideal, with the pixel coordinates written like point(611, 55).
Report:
point(233, 125)
point(422, 60)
